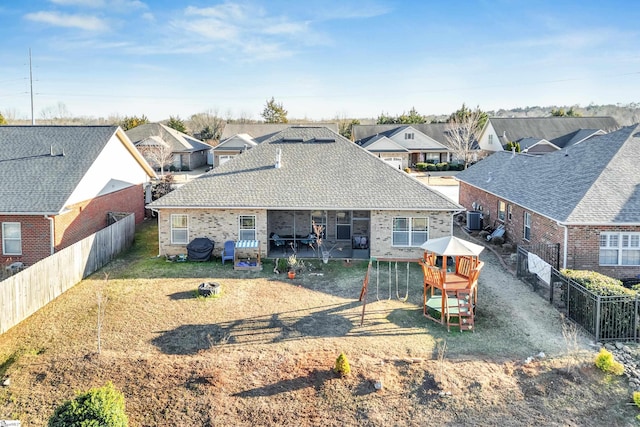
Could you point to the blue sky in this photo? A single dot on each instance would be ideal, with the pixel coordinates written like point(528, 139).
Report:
point(320, 59)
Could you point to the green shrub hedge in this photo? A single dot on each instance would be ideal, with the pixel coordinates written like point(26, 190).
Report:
point(102, 406)
point(598, 283)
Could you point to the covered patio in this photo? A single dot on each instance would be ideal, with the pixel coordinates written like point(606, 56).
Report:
point(341, 233)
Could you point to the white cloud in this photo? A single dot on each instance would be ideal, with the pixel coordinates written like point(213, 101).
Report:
point(83, 22)
point(99, 4)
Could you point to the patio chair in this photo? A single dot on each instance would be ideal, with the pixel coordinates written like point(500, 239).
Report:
point(228, 252)
point(310, 240)
point(278, 242)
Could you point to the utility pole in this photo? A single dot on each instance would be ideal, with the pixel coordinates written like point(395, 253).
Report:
point(33, 119)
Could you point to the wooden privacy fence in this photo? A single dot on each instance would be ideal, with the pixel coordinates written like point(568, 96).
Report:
point(28, 291)
point(605, 317)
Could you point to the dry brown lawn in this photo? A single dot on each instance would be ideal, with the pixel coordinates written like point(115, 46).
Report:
point(262, 353)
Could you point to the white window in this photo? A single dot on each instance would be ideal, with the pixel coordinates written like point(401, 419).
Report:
point(620, 249)
point(409, 231)
point(179, 229)
point(527, 226)
point(409, 135)
point(11, 238)
point(224, 159)
point(343, 225)
point(502, 210)
point(490, 139)
point(509, 213)
point(247, 227)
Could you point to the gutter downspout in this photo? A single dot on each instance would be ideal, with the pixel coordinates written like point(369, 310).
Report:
point(564, 245)
point(158, 216)
point(51, 234)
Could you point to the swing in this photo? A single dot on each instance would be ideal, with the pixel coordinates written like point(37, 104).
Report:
point(406, 295)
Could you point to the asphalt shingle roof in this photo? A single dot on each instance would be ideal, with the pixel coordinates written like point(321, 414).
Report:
point(549, 128)
point(319, 170)
point(263, 131)
point(178, 141)
point(40, 166)
point(594, 182)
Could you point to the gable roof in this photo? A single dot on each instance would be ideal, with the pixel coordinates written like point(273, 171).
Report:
point(319, 170)
point(178, 141)
point(382, 144)
point(41, 166)
point(262, 131)
point(577, 137)
point(594, 182)
point(550, 128)
point(236, 143)
point(434, 131)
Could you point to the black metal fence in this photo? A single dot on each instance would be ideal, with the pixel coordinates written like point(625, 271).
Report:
point(606, 318)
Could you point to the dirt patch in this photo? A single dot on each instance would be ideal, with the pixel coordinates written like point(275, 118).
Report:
point(263, 352)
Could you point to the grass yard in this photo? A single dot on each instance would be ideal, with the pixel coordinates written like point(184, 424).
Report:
point(262, 353)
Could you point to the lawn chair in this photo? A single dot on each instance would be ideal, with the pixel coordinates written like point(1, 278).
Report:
point(498, 232)
point(278, 242)
point(228, 252)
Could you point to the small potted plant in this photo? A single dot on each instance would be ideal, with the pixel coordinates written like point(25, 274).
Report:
point(292, 263)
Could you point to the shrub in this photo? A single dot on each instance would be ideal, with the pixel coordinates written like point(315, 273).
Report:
point(102, 406)
point(342, 367)
point(431, 167)
point(421, 166)
point(636, 398)
point(598, 283)
point(281, 265)
point(407, 170)
point(605, 362)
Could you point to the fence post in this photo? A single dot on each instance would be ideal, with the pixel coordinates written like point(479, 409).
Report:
point(635, 321)
point(598, 301)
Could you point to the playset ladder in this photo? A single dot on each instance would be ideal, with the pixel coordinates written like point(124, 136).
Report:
point(459, 305)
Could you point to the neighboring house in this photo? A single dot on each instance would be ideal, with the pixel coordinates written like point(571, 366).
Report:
point(239, 137)
point(560, 132)
point(231, 147)
point(262, 131)
point(303, 175)
point(64, 183)
point(187, 153)
point(586, 198)
point(401, 145)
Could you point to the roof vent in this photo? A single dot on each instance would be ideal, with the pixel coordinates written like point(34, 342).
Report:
point(278, 158)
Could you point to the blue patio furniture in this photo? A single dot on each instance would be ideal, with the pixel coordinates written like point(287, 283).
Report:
point(278, 242)
point(310, 240)
point(228, 251)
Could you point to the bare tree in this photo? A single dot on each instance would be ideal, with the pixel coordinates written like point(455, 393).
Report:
point(207, 126)
point(462, 132)
point(156, 152)
point(101, 300)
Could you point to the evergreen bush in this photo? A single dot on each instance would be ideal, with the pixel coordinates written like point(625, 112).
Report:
point(342, 367)
point(605, 362)
point(102, 406)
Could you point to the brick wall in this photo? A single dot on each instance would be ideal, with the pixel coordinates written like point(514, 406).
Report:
point(219, 226)
point(85, 218)
point(82, 220)
point(222, 225)
point(382, 227)
point(35, 239)
point(583, 242)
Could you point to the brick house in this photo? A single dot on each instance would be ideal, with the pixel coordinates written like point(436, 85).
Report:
point(405, 145)
point(183, 151)
point(298, 177)
point(60, 185)
point(584, 197)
